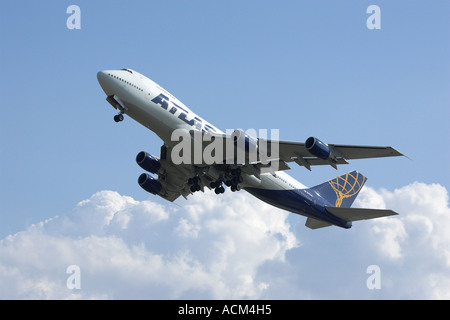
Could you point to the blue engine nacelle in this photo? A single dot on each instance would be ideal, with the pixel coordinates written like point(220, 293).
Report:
point(148, 162)
point(149, 184)
point(318, 148)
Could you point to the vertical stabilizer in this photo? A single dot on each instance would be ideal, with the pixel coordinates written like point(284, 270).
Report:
point(341, 191)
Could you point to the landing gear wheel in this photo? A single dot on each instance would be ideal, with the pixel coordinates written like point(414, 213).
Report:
point(219, 190)
point(195, 187)
point(118, 117)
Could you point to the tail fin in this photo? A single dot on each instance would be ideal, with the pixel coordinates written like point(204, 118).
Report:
point(341, 191)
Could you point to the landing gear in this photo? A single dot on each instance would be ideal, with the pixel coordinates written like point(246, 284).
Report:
point(235, 178)
point(231, 178)
point(219, 190)
point(194, 182)
point(217, 186)
point(235, 187)
point(118, 117)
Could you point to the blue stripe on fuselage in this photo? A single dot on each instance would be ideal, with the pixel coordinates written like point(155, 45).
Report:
point(300, 201)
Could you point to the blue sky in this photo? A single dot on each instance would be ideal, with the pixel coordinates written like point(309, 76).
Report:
point(307, 68)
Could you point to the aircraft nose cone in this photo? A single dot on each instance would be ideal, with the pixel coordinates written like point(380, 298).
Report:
point(101, 75)
point(105, 82)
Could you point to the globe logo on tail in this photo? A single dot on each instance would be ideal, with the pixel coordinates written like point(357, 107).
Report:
point(347, 186)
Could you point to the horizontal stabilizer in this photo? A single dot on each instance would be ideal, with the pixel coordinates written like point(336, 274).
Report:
point(356, 214)
point(316, 224)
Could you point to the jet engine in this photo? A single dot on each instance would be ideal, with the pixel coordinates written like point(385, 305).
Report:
point(318, 148)
point(148, 162)
point(149, 184)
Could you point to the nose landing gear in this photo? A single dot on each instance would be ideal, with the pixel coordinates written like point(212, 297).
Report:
point(118, 117)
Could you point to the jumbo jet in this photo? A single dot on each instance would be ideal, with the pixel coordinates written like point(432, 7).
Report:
point(326, 204)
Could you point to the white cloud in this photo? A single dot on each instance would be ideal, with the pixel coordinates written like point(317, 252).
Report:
point(415, 245)
point(231, 246)
point(422, 223)
point(390, 234)
point(211, 247)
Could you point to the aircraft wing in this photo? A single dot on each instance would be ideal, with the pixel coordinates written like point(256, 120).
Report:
point(298, 152)
point(312, 152)
point(179, 179)
point(272, 155)
point(172, 179)
point(174, 183)
point(289, 150)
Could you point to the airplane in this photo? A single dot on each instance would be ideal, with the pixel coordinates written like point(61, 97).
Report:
point(327, 204)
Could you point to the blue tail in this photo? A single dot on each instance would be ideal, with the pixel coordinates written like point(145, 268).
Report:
point(341, 191)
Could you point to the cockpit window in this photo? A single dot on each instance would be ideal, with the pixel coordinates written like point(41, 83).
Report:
point(128, 70)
